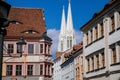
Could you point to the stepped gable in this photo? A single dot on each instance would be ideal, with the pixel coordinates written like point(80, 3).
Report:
point(30, 23)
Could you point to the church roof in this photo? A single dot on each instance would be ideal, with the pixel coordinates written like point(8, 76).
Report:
point(28, 22)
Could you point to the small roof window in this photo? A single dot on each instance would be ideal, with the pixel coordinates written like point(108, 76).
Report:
point(30, 32)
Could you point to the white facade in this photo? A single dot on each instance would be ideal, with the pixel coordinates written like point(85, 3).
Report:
point(57, 69)
point(67, 68)
point(101, 46)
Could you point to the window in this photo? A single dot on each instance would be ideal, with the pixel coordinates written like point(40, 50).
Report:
point(92, 63)
point(102, 30)
point(30, 48)
point(113, 24)
point(91, 35)
point(96, 32)
point(114, 55)
point(9, 70)
point(41, 69)
point(45, 68)
point(76, 71)
point(49, 49)
point(86, 38)
point(88, 62)
point(30, 70)
point(45, 48)
point(103, 59)
point(41, 48)
point(61, 45)
point(67, 42)
point(70, 42)
point(18, 70)
point(97, 58)
point(48, 69)
point(10, 48)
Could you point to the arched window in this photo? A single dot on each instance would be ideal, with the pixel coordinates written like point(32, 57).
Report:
point(70, 42)
point(61, 45)
point(67, 42)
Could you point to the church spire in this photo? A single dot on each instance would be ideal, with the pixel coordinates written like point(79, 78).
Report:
point(63, 23)
point(69, 19)
point(67, 36)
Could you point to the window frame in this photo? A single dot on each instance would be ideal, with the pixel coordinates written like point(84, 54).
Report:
point(9, 70)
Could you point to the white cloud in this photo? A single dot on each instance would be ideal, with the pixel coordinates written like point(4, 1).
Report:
point(78, 36)
point(54, 34)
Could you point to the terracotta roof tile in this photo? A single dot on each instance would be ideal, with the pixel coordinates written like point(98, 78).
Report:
point(58, 54)
point(31, 19)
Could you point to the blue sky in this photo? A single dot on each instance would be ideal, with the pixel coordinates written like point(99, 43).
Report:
point(82, 12)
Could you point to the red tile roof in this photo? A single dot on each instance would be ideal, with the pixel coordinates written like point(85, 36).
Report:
point(58, 54)
point(31, 19)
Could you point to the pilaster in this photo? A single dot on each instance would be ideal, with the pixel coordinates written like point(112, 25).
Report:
point(93, 33)
point(117, 19)
point(118, 53)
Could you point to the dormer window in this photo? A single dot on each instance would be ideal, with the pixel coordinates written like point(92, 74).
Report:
point(30, 32)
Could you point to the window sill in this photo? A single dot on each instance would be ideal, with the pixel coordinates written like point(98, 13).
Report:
point(95, 70)
point(94, 41)
point(118, 28)
point(118, 63)
point(111, 32)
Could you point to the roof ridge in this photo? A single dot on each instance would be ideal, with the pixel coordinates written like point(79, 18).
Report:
point(26, 7)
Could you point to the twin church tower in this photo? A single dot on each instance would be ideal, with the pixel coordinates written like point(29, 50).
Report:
point(67, 35)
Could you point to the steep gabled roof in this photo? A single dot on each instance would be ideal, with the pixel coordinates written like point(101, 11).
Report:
point(30, 23)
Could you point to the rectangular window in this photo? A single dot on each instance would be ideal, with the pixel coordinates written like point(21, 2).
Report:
point(45, 48)
point(45, 68)
point(67, 43)
point(114, 55)
point(86, 38)
point(91, 35)
point(10, 48)
point(97, 58)
point(92, 63)
point(9, 70)
point(88, 62)
point(48, 69)
point(18, 70)
point(96, 28)
point(30, 48)
point(41, 48)
point(49, 49)
point(41, 69)
point(102, 30)
point(103, 59)
point(113, 24)
point(30, 70)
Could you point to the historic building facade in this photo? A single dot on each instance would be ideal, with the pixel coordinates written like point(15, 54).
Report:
point(36, 61)
point(71, 67)
point(101, 44)
point(78, 63)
